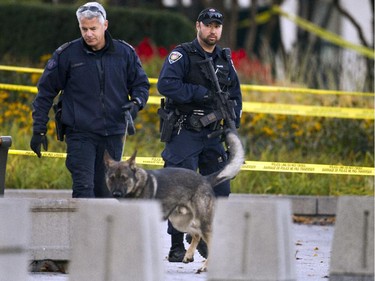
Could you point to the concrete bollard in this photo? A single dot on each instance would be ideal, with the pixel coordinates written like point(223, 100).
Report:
point(353, 242)
point(51, 228)
point(117, 241)
point(5, 143)
point(252, 240)
point(14, 238)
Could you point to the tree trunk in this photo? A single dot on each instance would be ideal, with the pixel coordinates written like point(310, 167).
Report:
point(252, 31)
point(369, 83)
point(232, 23)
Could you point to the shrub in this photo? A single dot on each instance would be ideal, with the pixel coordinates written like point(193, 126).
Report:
point(40, 29)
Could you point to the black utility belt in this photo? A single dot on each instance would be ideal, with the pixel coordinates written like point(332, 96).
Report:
point(173, 119)
point(199, 119)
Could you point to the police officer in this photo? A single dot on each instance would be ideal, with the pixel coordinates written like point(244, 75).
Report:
point(98, 76)
point(189, 94)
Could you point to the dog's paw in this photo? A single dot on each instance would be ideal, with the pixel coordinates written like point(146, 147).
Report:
point(188, 259)
point(202, 269)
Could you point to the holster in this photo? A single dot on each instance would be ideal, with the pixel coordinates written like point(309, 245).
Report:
point(168, 121)
point(60, 127)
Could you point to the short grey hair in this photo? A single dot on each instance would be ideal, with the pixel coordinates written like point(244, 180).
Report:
point(87, 12)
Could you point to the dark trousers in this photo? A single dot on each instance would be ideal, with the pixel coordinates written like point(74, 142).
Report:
point(85, 162)
point(193, 150)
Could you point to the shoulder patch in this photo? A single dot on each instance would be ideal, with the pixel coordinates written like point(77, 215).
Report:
point(51, 64)
point(174, 56)
point(63, 47)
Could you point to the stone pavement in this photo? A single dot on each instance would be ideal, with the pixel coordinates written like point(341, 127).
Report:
point(312, 255)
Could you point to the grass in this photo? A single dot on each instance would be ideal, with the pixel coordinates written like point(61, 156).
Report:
point(25, 172)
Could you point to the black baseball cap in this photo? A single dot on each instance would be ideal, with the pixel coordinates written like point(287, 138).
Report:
point(209, 15)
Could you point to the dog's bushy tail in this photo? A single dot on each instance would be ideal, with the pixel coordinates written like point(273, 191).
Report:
point(236, 159)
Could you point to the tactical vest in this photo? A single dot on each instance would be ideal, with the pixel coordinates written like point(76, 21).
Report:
point(196, 73)
point(197, 76)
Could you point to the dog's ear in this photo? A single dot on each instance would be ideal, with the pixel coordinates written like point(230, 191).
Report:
point(108, 160)
point(132, 160)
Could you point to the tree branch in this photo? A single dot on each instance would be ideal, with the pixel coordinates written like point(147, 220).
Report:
point(343, 12)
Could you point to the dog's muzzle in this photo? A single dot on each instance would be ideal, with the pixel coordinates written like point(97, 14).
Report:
point(117, 194)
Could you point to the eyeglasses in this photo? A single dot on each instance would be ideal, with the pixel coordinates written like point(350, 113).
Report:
point(210, 15)
point(215, 15)
point(94, 9)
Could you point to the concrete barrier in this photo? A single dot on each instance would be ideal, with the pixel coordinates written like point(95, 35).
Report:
point(114, 241)
point(38, 193)
point(252, 240)
point(353, 243)
point(14, 238)
point(51, 229)
point(301, 205)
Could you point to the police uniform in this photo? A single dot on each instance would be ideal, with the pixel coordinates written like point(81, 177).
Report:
point(185, 85)
point(96, 85)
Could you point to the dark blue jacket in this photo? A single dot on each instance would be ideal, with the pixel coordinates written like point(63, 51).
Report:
point(172, 79)
point(95, 85)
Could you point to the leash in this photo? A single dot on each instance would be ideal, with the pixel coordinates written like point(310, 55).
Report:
point(126, 132)
point(129, 125)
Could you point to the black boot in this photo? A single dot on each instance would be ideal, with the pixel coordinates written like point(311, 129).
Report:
point(177, 251)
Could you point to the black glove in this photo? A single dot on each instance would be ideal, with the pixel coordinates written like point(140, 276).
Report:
point(133, 108)
point(130, 111)
point(37, 140)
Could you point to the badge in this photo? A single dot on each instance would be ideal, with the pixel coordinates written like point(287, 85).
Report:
point(174, 56)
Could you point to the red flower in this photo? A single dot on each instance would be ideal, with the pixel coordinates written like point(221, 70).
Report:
point(145, 49)
point(163, 52)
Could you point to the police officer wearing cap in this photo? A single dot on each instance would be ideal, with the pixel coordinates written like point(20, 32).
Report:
point(189, 94)
point(99, 77)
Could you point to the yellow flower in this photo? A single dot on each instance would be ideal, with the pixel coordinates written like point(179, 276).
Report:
point(35, 78)
point(45, 58)
point(298, 133)
point(317, 126)
point(295, 126)
point(268, 131)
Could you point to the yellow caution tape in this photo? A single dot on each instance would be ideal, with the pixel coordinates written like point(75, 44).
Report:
point(279, 89)
point(325, 34)
point(153, 81)
point(21, 69)
point(248, 166)
point(244, 87)
point(31, 153)
point(307, 168)
point(306, 110)
point(268, 108)
point(20, 88)
point(303, 110)
point(264, 17)
point(260, 18)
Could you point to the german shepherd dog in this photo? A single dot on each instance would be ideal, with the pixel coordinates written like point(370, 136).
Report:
point(186, 197)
